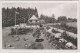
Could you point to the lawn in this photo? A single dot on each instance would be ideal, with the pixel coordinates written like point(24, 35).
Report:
point(72, 24)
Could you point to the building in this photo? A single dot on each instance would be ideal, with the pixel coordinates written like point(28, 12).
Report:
point(33, 20)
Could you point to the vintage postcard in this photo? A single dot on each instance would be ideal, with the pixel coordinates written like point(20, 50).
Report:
point(45, 26)
point(39, 26)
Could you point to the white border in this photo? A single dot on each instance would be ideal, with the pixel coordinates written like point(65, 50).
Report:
point(43, 50)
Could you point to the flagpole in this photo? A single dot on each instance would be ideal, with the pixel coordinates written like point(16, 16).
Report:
point(15, 18)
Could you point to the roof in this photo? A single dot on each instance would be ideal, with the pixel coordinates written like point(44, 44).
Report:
point(33, 18)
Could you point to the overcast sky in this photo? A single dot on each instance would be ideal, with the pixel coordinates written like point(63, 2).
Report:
point(58, 9)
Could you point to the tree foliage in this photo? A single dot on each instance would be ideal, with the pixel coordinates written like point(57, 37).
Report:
point(8, 15)
point(62, 18)
point(48, 19)
point(72, 20)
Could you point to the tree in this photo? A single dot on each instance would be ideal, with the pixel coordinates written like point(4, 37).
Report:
point(53, 16)
point(62, 20)
point(69, 19)
point(36, 12)
point(48, 19)
point(8, 15)
point(72, 20)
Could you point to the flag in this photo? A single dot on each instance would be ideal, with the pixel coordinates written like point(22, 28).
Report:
point(17, 12)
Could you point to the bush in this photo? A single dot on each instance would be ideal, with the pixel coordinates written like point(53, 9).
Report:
point(48, 34)
point(69, 38)
point(67, 28)
point(47, 27)
point(21, 30)
point(55, 31)
point(37, 33)
point(71, 29)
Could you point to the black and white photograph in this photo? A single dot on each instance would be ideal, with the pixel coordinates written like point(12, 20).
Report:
point(41, 26)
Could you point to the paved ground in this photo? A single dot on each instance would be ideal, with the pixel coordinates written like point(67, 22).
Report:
point(21, 43)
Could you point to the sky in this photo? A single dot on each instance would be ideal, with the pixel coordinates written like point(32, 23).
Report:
point(58, 9)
